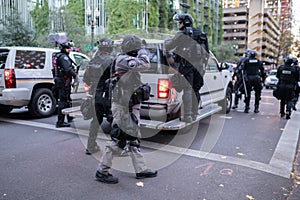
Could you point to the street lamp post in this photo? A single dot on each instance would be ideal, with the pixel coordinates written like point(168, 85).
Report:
point(91, 22)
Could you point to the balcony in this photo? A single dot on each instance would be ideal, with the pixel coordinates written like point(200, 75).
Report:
point(235, 18)
point(235, 34)
point(235, 26)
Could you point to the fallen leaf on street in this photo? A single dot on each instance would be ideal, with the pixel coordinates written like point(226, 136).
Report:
point(140, 184)
point(240, 154)
point(249, 197)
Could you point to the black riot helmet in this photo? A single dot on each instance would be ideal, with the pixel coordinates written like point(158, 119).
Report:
point(131, 44)
point(105, 44)
point(247, 53)
point(289, 60)
point(66, 45)
point(296, 61)
point(187, 19)
point(252, 54)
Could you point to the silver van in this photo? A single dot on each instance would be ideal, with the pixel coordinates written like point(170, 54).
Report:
point(26, 79)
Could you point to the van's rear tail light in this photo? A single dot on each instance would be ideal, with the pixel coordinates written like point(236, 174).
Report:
point(163, 88)
point(10, 78)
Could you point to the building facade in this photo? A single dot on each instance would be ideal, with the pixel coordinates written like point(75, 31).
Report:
point(253, 27)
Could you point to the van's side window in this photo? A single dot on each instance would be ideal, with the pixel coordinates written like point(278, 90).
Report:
point(30, 59)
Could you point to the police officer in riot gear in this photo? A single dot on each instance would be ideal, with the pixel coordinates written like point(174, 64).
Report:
point(254, 72)
point(297, 89)
point(288, 77)
point(63, 82)
point(125, 108)
point(239, 87)
point(95, 76)
point(191, 62)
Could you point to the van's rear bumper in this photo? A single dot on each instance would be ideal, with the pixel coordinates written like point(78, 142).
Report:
point(15, 97)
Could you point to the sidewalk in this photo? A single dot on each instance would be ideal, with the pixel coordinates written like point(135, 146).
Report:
point(295, 174)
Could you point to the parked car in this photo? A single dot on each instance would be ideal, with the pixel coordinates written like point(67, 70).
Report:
point(271, 80)
point(26, 79)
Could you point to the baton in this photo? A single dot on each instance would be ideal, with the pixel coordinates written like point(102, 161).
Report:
point(245, 88)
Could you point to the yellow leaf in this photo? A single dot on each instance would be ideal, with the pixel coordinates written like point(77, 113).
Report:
point(140, 184)
point(249, 197)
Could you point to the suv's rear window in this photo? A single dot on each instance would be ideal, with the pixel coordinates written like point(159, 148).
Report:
point(3, 57)
point(157, 60)
point(30, 59)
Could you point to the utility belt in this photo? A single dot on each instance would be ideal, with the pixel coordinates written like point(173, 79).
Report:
point(123, 95)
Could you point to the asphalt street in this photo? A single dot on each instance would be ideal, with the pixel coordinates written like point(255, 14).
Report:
point(237, 156)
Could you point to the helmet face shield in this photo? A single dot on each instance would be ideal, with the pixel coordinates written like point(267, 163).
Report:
point(289, 60)
point(66, 45)
point(176, 18)
point(105, 44)
point(187, 19)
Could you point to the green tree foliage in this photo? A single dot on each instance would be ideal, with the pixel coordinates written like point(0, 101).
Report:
point(153, 14)
point(15, 32)
point(123, 15)
point(171, 13)
point(286, 41)
point(225, 53)
point(74, 23)
point(40, 17)
point(163, 14)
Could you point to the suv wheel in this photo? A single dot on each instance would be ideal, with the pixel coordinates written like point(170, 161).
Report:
point(226, 102)
point(42, 103)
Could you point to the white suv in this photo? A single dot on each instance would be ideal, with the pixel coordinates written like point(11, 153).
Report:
point(26, 79)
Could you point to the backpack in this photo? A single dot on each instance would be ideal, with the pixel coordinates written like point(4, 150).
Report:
point(55, 58)
point(199, 50)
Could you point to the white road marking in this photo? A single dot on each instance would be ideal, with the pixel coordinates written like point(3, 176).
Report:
point(280, 164)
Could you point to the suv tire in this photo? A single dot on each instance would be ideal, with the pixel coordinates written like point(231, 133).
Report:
point(226, 102)
point(42, 103)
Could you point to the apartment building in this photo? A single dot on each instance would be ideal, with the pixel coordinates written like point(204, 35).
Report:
point(23, 7)
point(253, 27)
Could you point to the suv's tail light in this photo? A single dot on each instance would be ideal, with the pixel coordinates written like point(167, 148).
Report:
point(163, 88)
point(86, 87)
point(10, 78)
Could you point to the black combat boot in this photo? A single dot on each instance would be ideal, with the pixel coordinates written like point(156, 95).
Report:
point(148, 173)
point(106, 177)
point(246, 109)
point(187, 119)
point(288, 115)
point(256, 109)
point(61, 125)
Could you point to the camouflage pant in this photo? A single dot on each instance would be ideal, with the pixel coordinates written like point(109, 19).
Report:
point(113, 148)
